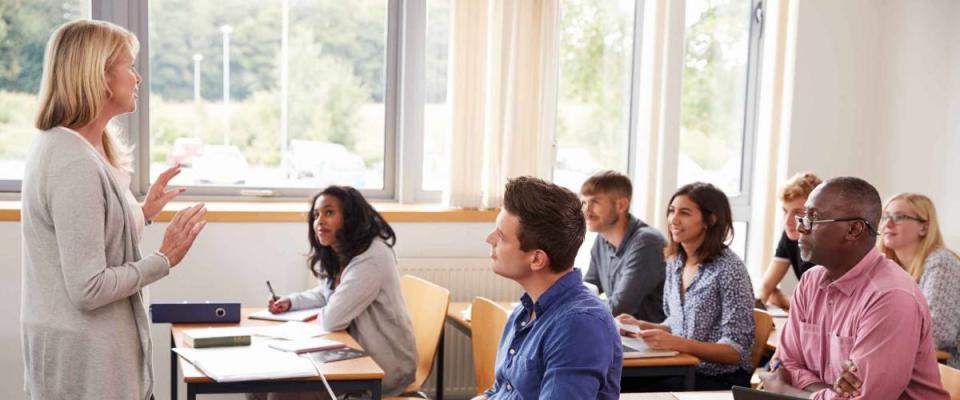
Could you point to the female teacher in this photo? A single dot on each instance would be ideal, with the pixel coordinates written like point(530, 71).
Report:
point(84, 329)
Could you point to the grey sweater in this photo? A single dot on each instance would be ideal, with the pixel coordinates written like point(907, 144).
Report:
point(84, 329)
point(369, 304)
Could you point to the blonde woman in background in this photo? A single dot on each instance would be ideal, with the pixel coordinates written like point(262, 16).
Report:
point(792, 197)
point(85, 332)
point(910, 236)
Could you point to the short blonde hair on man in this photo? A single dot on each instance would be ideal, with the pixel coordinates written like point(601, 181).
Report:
point(799, 186)
point(74, 78)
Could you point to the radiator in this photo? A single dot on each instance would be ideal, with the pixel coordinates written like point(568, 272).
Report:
point(466, 278)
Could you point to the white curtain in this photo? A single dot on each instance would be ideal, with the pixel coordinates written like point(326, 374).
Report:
point(503, 91)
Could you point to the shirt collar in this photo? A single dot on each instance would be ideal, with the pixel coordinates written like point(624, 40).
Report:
point(560, 290)
point(633, 226)
point(852, 279)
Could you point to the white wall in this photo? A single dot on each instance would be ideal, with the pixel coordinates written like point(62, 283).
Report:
point(919, 145)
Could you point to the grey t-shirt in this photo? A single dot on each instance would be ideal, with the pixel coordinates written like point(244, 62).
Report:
point(632, 275)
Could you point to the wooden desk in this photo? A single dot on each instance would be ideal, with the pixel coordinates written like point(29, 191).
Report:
point(344, 376)
point(679, 365)
point(677, 396)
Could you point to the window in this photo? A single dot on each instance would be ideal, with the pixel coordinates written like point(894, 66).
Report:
point(437, 111)
point(25, 27)
point(277, 94)
point(594, 95)
point(717, 94)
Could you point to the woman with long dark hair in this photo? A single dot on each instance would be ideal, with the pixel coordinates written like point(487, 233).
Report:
point(351, 251)
point(707, 295)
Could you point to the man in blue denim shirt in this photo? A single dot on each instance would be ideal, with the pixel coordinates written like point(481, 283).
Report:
point(561, 343)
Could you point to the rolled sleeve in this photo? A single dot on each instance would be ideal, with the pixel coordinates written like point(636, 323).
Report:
point(736, 319)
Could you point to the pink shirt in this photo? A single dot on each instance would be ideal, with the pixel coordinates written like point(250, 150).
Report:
point(874, 315)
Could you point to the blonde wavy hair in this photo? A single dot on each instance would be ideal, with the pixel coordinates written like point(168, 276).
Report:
point(799, 186)
point(923, 207)
point(73, 87)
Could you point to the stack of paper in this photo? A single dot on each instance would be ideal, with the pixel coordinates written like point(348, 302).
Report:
point(232, 364)
point(306, 345)
point(292, 331)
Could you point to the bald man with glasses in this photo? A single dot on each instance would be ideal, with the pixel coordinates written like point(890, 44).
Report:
point(859, 325)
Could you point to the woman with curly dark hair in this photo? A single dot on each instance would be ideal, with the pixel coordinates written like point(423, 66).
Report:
point(351, 251)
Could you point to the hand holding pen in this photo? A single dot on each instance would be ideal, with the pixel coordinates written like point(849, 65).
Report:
point(276, 304)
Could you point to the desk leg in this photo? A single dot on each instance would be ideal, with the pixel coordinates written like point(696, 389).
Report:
point(439, 393)
point(688, 380)
point(191, 392)
point(375, 392)
point(173, 370)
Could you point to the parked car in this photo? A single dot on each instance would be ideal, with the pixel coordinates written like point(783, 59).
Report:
point(325, 163)
point(220, 165)
point(184, 150)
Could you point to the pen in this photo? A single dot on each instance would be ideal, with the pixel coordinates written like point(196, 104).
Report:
point(273, 295)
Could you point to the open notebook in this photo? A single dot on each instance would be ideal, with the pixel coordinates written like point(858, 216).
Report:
point(257, 362)
point(299, 315)
point(637, 348)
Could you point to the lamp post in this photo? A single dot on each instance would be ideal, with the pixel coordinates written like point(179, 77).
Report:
point(226, 30)
point(196, 94)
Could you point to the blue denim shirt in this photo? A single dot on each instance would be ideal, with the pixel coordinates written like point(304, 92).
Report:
point(570, 351)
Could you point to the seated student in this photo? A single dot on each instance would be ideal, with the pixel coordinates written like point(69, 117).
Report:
point(351, 249)
point(561, 342)
point(855, 307)
point(626, 261)
point(792, 196)
point(707, 297)
point(911, 238)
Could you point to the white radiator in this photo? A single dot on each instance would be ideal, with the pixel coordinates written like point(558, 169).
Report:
point(466, 278)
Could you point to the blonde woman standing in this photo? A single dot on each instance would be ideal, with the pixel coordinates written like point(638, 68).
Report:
point(911, 237)
point(84, 328)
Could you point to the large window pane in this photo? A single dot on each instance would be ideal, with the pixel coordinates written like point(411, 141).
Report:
point(437, 112)
point(306, 117)
point(25, 27)
point(716, 51)
point(596, 50)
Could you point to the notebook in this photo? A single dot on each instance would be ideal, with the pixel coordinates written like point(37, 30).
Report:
point(637, 348)
point(233, 364)
point(305, 345)
point(299, 315)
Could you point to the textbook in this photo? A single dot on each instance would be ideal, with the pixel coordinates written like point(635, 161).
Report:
point(299, 315)
point(216, 337)
point(306, 345)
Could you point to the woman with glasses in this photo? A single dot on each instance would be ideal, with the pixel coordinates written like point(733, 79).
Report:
point(911, 237)
point(707, 295)
point(793, 196)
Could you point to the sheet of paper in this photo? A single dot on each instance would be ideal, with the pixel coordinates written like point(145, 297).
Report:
point(292, 330)
point(232, 364)
point(299, 315)
point(727, 395)
point(626, 327)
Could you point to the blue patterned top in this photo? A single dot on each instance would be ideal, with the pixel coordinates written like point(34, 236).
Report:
point(717, 308)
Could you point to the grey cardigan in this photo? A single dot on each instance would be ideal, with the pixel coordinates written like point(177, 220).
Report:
point(368, 303)
point(84, 328)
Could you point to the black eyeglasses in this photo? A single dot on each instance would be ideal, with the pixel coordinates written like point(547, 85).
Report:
point(807, 222)
point(898, 218)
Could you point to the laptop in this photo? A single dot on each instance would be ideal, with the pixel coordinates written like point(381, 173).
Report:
point(742, 393)
point(637, 348)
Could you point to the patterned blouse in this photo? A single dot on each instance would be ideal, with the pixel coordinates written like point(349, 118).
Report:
point(940, 284)
point(717, 308)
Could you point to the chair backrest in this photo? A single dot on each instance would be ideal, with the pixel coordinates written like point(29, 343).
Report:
point(763, 325)
point(427, 304)
point(950, 378)
point(487, 320)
